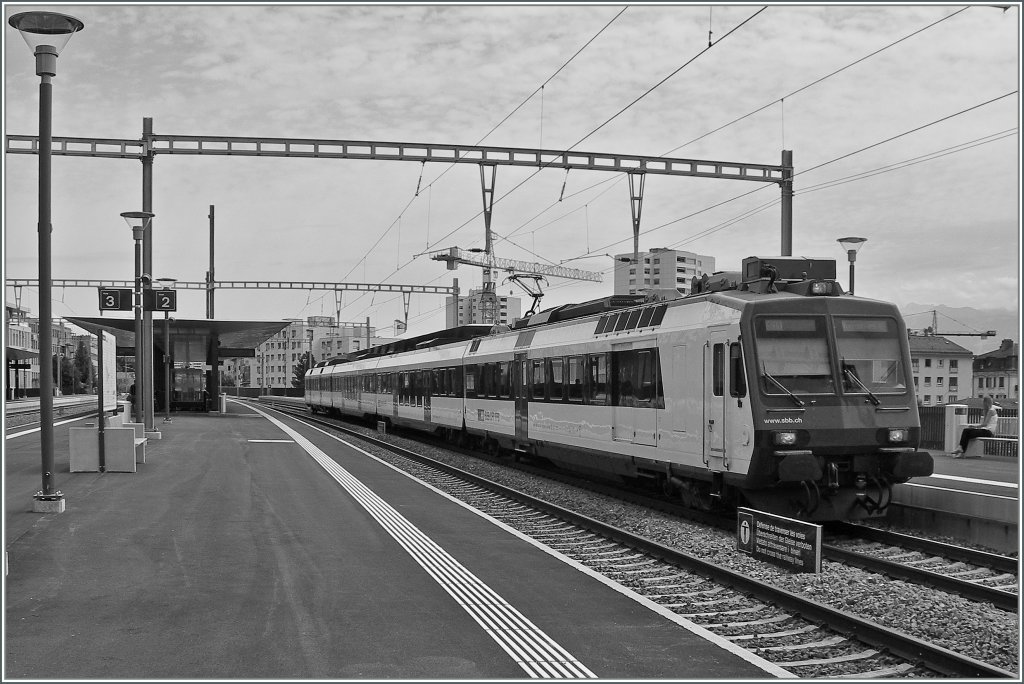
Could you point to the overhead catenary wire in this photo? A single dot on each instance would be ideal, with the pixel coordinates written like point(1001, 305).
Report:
point(486, 135)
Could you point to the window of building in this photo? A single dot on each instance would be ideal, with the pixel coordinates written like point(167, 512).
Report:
point(913, 364)
point(939, 381)
point(942, 362)
point(927, 363)
point(954, 365)
point(927, 399)
point(927, 381)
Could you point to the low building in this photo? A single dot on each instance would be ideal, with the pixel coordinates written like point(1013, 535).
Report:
point(996, 373)
point(941, 370)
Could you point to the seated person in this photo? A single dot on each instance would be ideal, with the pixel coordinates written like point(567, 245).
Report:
point(986, 428)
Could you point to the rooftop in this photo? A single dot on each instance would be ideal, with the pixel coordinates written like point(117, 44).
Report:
point(935, 344)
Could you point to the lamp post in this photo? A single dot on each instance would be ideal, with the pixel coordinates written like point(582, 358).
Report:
point(46, 34)
point(167, 283)
point(851, 245)
point(137, 221)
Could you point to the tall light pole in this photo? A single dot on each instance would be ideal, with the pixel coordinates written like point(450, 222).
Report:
point(137, 221)
point(167, 284)
point(46, 34)
point(851, 245)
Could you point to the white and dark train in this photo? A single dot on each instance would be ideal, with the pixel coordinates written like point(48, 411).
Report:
point(769, 388)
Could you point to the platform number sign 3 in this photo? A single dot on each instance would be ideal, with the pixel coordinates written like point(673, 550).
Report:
point(115, 299)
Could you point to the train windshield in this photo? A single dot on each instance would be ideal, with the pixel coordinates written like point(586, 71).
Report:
point(793, 355)
point(869, 351)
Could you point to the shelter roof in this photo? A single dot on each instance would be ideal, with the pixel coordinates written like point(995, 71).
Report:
point(237, 334)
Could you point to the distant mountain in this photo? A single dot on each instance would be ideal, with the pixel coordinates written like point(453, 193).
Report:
point(966, 319)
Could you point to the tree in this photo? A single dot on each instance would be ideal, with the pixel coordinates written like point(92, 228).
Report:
point(299, 371)
point(84, 372)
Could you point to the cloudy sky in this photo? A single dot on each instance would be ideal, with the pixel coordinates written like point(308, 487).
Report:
point(903, 122)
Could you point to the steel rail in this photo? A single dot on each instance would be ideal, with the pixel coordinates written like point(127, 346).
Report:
point(972, 556)
point(905, 646)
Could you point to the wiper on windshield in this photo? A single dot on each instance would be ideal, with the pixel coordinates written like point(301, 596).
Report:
point(766, 374)
point(848, 372)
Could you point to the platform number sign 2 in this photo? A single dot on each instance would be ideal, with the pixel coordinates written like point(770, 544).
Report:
point(165, 300)
point(115, 299)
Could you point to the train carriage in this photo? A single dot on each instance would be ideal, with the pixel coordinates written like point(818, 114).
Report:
point(768, 388)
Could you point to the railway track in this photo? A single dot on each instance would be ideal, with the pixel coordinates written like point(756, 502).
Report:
point(808, 638)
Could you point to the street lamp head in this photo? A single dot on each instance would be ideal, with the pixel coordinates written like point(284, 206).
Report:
point(138, 221)
point(167, 283)
point(851, 245)
point(46, 28)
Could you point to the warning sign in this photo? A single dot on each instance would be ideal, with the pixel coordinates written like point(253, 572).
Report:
point(793, 544)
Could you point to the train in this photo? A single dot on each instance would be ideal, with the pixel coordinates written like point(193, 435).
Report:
point(769, 388)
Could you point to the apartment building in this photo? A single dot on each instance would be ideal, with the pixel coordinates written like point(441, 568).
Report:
point(996, 373)
point(660, 269)
point(941, 370)
point(274, 362)
point(469, 309)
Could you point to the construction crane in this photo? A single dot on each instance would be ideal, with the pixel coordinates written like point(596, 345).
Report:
point(520, 272)
point(933, 330)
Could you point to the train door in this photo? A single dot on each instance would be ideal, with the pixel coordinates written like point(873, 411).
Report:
point(623, 400)
point(716, 363)
point(427, 388)
point(519, 375)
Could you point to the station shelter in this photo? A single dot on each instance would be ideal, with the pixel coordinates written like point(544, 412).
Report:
point(196, 347)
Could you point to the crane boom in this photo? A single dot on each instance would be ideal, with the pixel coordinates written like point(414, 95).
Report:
point(454, 256)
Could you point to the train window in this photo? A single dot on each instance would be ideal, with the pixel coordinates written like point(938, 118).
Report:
point(483, 376)
point(556, 377)
point(793, 355)
point(597, 385)
point(602, 324)
point(870, 354)
point(623, 319)
point(575, 373)
point(634, 318)
point(737, 378)
point(504, 384)
point(638, 379)
point(718, 369)
point(659, 314)
point(537, 382)
point(645, 317)
point(471, 385)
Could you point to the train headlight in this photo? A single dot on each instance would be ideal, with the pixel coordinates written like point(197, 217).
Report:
point(821, 287)
point(897, 435)
point(784, 438)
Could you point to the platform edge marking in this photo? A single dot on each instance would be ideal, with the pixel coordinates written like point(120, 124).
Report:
point(766, 665)
point(400, 529)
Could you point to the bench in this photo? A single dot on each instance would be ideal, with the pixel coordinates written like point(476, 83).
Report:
point(123, 447)
point(1003, 443)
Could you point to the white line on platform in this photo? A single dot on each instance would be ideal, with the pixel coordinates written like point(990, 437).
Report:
point(958, 491)
point(61, 422)
point(273, 441)
point(992, 483)
point(533, 650)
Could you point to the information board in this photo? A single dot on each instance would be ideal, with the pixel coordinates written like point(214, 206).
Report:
point(793, 544)
point(108, 366)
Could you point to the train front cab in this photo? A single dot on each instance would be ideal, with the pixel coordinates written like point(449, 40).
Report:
point(836, 421)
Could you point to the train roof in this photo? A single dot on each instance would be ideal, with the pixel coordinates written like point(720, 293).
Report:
point(786, 275)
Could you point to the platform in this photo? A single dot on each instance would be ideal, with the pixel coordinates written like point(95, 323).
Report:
point(245, 548)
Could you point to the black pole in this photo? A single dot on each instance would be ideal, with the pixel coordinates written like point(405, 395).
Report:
point(140, 376)
point(45, 277)
point(100, 414)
